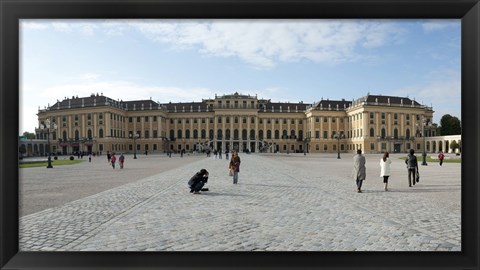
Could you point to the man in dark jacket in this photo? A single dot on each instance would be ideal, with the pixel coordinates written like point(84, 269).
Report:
point(198, 181)
point(412, 166)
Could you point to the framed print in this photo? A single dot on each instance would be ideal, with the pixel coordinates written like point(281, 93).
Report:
point(143, 96)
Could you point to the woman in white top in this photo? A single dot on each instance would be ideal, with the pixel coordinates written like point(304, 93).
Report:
point(385, 169)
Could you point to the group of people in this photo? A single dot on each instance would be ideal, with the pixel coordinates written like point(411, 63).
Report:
point(359, 169)
point(112, 159)
point(200, 178)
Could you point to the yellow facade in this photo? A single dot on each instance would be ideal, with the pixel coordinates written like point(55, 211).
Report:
point(373, 124)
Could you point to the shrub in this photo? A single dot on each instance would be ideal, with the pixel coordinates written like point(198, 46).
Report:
point(72, 158)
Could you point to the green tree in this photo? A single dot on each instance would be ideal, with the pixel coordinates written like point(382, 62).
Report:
point(29, 135)
point(450, 125)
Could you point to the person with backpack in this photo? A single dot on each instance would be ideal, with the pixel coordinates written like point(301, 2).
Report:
point(121, 160)
point(441, 156)
point(197, 181)
point(412, 167)
point(113, 158)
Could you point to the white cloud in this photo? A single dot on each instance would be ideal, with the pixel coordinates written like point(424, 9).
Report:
point(29, 25)
point(436, 25)
point(441, 90)
point(264, 43)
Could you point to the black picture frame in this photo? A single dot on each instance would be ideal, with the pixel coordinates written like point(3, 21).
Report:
point(13, 10)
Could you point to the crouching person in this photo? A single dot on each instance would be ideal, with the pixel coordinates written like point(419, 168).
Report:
point(198, 181)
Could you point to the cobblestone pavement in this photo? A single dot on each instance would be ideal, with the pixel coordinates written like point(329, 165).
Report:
point(282, 203)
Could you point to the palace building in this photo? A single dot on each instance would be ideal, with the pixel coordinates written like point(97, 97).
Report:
point(373, 123)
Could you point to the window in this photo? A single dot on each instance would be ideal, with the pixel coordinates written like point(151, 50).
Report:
point(252, 120)
point(146, 118)
point(325, 147)
point(236, 103)
point(235, 119)
point(372, 132)
point(195, 134)
point(244, 119)
point(203, 120)
point(252, 104)
point(195, 120)
point(203, 134)
point(260, 120)
point(317, 147)
point(211, 120)
point(219, 104)
point(227, 134)
point(171, 121)
point(269, 121)
point(155, 120)
point(172, 134)
point(179, 120)
point(244, 104)
point(317, 134)
point(187, 134)
point(317, 119)
point(300, 121)
point(219, 134)
point(155, 134)
point(187, 121)
point(211, 134)
point(277, 134)
point(235, 134)
point(228, 103)
point(260, 134)
point(219, 119)
point(100, 133)
point(154, 147)
point(276, 121)
point(334, 119)
point(334, 147)
point(179, 134)
point(383, 133)
point(146, 134)
point(130, 119)
point(325, 134)
point(244, 134)
point(269, 134)
point(372, 146)
point(138, 119)
point(284, 121)
point(227, 119)
point(325, 119)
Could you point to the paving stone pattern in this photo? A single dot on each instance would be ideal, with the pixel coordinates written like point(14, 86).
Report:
point(282, 203)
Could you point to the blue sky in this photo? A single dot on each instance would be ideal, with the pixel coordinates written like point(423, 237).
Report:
point(281, 60)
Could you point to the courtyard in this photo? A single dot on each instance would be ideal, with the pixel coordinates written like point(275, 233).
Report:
point(283, 202)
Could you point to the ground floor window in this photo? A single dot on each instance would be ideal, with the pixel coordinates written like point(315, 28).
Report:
point(342, 147)
point(154, 147)
point(334, 147)
point(325, 148)
point(384, 146)
point(188, 147)
point(284, 147)
point(146, 147)
point(372, 146)
point(100, 147)
point(418, 146)
point(130, 147)
point(317, 147)
point(138, 146)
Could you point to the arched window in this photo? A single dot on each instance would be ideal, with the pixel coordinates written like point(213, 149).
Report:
point(372, 132)
point(277, 134)
point(211, 134)
point(269, 134)
point(235, 133)
point(227, 134)
point(252, 134)
point(89, 133)
point(204, 134)
point(219, 134)
point(195, 134)
point(300, 134)
point(408, 134)
point(284, 133)
point(244, 134)
point(77, 135)
point(260, 134)
point(187, 134)
point(65, 134)
point(383, 133)
point(172, 134)
point(179, 134)
point(292, 133)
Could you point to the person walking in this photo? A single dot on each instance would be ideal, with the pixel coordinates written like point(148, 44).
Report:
point(226, 154)
point(113, 159)
point(385, 169)
point(121, 160)
point(235, 166)
point(109, 157)
point(359, 170)
point(197, 181)
point(441, 156)
point(220, 154)
point(412, 167)
point(90, 157)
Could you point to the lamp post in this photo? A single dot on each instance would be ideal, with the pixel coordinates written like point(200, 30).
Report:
point(425, 123)
point(134, 137)
point(339, 137)
point(307, 141)
point(47, 126)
